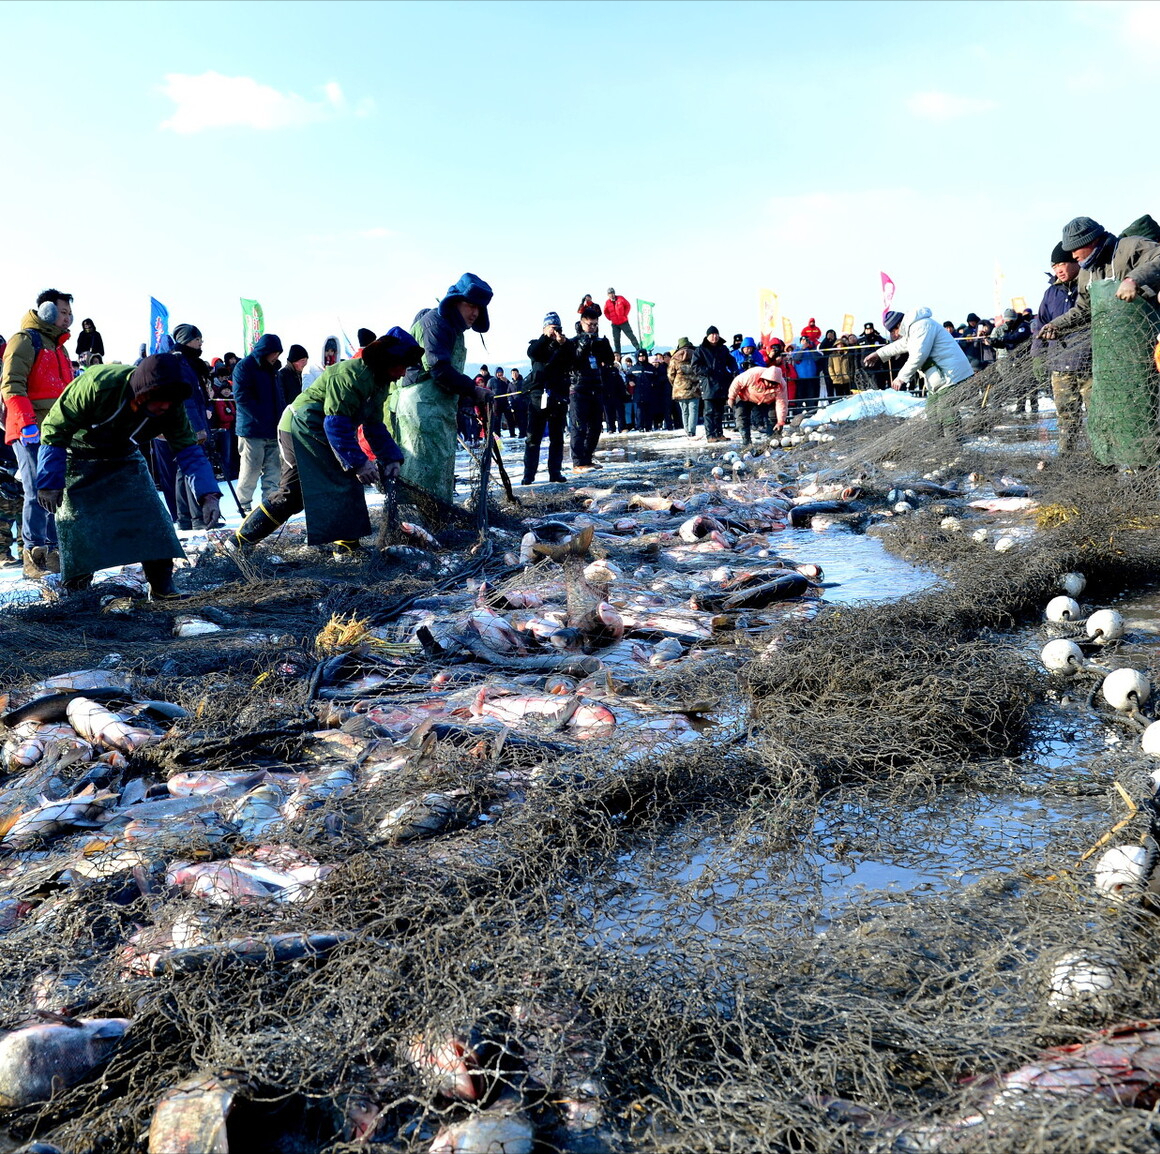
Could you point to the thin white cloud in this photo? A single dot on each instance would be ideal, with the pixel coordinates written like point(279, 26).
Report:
point(941, 106)
point(212, 100)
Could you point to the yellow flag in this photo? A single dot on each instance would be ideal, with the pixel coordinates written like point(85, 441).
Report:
point(847, 324)
point(787, 330)
point(767, 306)
point(1018, 304)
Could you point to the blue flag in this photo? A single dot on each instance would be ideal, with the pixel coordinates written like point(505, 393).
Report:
point(158, 325)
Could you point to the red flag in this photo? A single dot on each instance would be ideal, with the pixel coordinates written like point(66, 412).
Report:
point(887, 294)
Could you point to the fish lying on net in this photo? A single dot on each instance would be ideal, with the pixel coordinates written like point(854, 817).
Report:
point(40, 1059)
point(1121, 1065)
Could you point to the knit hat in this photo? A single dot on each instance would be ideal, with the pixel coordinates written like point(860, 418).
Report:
point(183, 334)
point(712, 330)
point(1060, 255)
point(365, 336)
point(297, 353)
point(891, 320)
point(553, 319)
point(1080, 233)
point(1009, 314)
point(161, 377)
point(612, 292)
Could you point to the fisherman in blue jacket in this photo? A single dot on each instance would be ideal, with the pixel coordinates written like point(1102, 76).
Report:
point(421, 409)
point(258, 397)
point(1069, 360)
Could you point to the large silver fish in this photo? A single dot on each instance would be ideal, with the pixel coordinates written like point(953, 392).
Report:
point(41, 1059)
point(54, 817)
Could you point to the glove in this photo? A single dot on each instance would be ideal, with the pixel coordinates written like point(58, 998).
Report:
point(390, 469)
point(211, 505)
point(367, 473)
point(49, 499)
point(30, 435)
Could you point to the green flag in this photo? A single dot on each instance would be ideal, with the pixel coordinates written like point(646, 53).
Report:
point(253, 325)
point(644, 319)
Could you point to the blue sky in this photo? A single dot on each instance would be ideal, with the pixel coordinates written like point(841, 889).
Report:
point(349, 160)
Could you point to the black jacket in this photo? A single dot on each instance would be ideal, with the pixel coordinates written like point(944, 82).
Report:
point(716, 367)
point(591, 368)
point(290, 381)
point(551, 364)
point(1073, 352)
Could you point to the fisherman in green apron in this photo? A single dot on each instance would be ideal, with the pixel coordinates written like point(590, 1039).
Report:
point(92, 475)
point(324, 470)
point(421, 412)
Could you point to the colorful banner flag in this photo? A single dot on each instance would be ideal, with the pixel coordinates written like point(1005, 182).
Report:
point(253, 324)
point(887, 293)
point(847, 324)
point(767, 314)
point(1018, 304)
point(787, 330)
point(646, 330)
point(158, 325)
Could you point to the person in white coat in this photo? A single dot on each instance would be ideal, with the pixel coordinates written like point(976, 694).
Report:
point(930, 350)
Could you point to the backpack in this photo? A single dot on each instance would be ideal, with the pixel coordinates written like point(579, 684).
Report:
point(37, 342)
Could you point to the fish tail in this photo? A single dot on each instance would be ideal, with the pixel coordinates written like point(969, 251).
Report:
point(576, 546)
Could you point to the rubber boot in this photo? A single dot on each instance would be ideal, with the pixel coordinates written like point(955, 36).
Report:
point(256, 527)
point(159, 574)
point(346, 551)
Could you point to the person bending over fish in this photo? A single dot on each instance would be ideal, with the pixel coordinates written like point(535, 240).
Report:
point(323, 468)
point(92, 475)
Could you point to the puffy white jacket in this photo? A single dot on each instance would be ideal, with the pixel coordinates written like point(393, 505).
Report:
point(929, 349)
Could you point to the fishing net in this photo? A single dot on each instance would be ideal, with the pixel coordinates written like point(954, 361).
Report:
point(831, 852)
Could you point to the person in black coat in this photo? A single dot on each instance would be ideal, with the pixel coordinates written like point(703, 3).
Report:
point(290, 374)
point(591, 365)
point(714, 364)
point(547, 387)
point(89, 343)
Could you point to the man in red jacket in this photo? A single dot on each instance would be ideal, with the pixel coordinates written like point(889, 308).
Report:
point(616, 310)
point(36, 369)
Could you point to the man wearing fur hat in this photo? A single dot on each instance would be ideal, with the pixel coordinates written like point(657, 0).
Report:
point(421, 409)
point(92, 476)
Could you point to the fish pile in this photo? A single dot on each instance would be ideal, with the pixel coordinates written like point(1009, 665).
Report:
point(596, 644)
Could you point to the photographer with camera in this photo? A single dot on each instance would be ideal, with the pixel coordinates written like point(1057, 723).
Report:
point(591, 369)
point(546, 390)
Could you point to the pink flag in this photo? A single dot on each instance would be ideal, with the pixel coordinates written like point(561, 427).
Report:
point(887, 293)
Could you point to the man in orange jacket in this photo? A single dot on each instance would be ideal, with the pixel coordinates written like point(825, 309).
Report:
point(36, 370)
point(616, 310)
